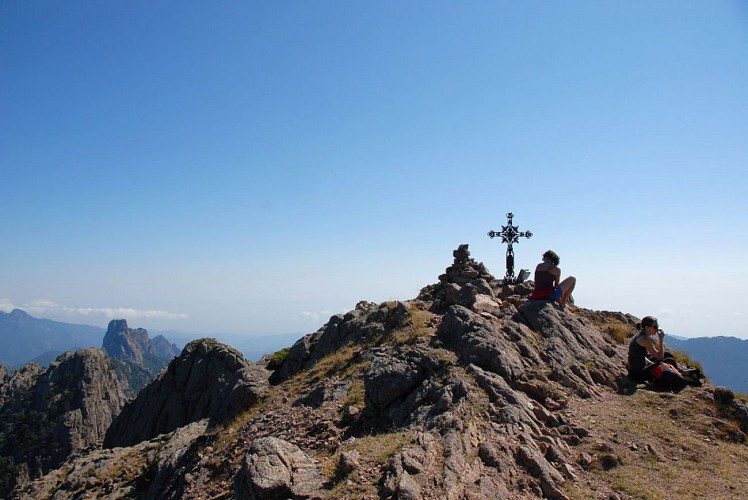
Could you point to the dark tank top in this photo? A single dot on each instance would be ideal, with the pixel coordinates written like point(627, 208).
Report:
point(637, 354)
point(544, 280)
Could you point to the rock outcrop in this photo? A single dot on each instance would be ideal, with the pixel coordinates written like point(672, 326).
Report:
point(17, 381)
point(151, 470)
point(208, 380)
point(467, 345)
point(49, 415)
point(274, 468)
point(367, 322)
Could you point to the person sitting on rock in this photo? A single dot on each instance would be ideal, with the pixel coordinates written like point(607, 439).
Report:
point(643, 354)
point(548, 284)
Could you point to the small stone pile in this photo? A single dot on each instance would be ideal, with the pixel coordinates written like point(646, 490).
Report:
point(468, 283)
point(465, 273)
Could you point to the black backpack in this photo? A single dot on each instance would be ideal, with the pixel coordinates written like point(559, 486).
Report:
point(668, 377)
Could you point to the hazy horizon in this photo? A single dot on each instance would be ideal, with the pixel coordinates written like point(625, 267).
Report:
point(186, 335)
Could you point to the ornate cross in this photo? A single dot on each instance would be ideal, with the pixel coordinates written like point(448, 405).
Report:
point(509, 234)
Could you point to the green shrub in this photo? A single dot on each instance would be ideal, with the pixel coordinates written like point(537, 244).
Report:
point(278, 358)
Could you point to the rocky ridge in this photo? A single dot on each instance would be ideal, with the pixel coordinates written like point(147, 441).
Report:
point(467, 391)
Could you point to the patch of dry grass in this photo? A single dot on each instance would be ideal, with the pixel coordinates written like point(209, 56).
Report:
point(374, 450)
point(417, 329)
point(339, 362)
point(667, 445)
point(619, 332)
point(356, 394)
point(378, 448)
point(278, 358)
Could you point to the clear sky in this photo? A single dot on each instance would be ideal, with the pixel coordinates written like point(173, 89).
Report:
point(251, 168)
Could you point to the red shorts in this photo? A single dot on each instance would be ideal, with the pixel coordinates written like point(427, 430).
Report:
point(554, 294)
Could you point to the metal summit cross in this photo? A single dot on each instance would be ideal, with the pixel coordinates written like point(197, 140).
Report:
point(510, 234)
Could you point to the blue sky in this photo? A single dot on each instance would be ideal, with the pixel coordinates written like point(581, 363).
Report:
point(252, 168)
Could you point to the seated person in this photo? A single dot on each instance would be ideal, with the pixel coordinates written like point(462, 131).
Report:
point(547, 277)
point(643, 354)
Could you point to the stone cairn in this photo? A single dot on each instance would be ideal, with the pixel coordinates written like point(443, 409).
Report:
point(466, 280)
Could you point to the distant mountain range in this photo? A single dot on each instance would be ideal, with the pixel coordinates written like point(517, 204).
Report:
point(725, 359)
point(25, 338)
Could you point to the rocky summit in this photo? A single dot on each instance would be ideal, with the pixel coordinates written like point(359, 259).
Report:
point(469, 390)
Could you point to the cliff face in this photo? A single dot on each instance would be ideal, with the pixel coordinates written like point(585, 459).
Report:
point(137, 357)
point(85, 383)
point(127, 344)
point(468, 391)
point(49, 415)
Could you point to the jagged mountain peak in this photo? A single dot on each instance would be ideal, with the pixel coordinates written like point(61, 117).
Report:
point(163, 348)
point(138, 358)
point(127, 344)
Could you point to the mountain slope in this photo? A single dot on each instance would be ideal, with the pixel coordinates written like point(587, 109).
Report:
point(725, 359)
point(467, 391)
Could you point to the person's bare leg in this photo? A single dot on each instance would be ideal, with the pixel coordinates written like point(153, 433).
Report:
point(567, 286)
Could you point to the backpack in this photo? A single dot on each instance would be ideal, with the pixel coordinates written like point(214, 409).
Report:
point(668, 377)
point(692, 376)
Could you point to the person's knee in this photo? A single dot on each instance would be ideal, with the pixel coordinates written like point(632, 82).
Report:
point(568, 283)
